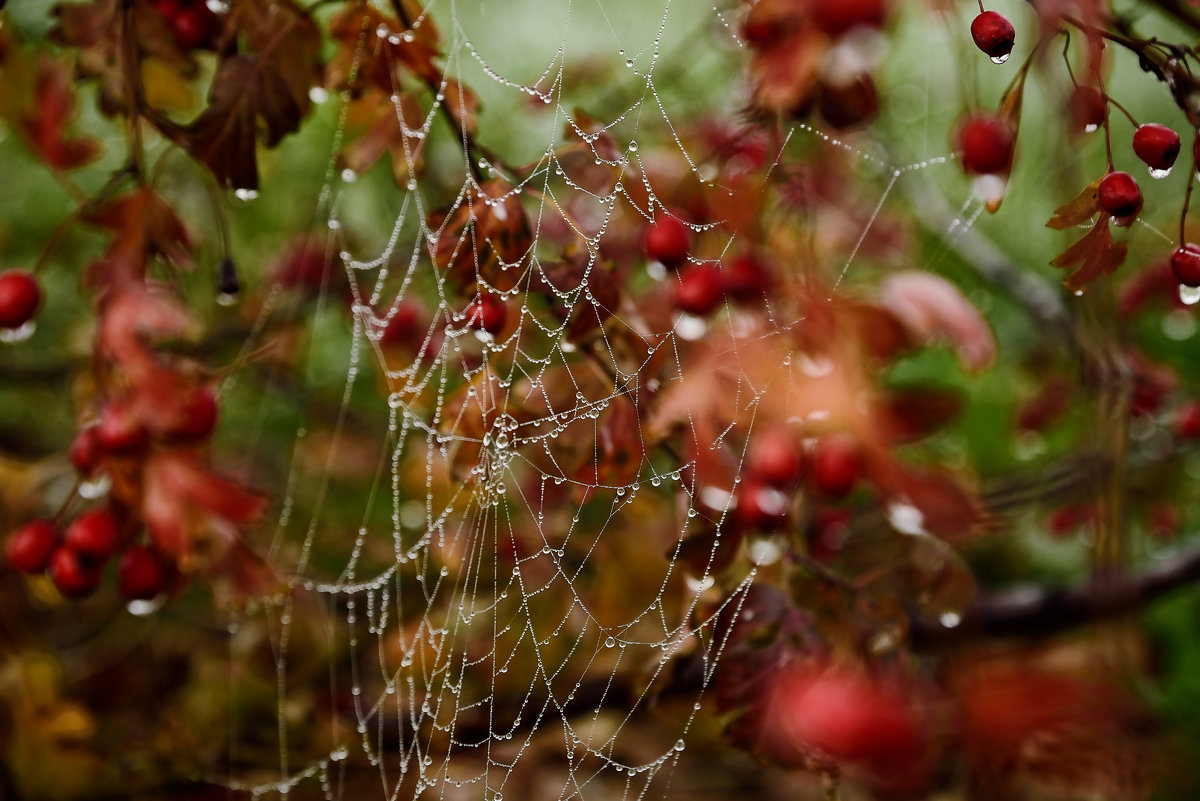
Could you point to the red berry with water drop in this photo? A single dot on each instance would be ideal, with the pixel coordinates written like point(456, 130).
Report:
point(993, 34)
point(141, 574)
point(1120, 196)
point(86, 452)
point(92, 535)
point(762, 506)
point(984, 144)
point(667, 241)
point(1156, 145)
point(120, 431)
point(20, 297)
point(1088, 108)
point(1185, 264)
point(700, 290)
point(29, 547)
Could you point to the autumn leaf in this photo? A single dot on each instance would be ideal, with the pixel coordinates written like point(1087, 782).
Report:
point(1078, 211)
point(1095, 254)
point(144, 227)
point(44, 128)
point(386, 120)
point(476, 237)
point(932, 308)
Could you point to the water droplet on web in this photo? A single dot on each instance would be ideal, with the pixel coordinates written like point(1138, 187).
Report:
point(349, 175)
point(1000, 59)
point(633, 146)
point(1159, 174)
point(318, 95)
point(610, 642)
point(411, 186)
point(382, 31)
point(950, 619)
point(408, 36)
point(1189, 295)
point(629, 63)
point(680, 745)
point(245, 194)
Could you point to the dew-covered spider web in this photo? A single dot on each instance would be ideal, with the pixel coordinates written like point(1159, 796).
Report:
point(534, 600)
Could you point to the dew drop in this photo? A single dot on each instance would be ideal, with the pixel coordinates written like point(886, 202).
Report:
point(245, 194)
point(217, 6)
point(349, 175)
point(1159, 174)
point(629, 63)
point(318, 95)
point(950, 619)
point(1189, 295)
point(610, 643)
point(680, 745)
point(1091, 128)
point(1000, 59)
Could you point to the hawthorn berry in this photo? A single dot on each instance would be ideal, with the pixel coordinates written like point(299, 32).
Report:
point(835, 465)
point(848, 105)
point(92, 535)
point(994, 35)
point(1120, 196)
point(486, 313)
point(1185, 263)
point(1187, 420)
point(86, 452)
point(700, 290)
point(120, 431)
point(1088, 108)
point(667, 241)
point(141, 574)
point(1156, 145)
point(984, 144)
point(761, 506)
point(195, 418)
point(20, 297)
point(747, 278)
point(775, 458)
point(72, 574)
point(401, 327)
point(30, 546)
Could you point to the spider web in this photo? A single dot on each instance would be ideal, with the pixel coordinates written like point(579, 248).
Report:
point(512, 617)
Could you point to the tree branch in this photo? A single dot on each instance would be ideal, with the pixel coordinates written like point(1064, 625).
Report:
point(1045, 611)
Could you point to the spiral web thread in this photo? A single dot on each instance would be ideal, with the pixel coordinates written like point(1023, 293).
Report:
point(490, 629)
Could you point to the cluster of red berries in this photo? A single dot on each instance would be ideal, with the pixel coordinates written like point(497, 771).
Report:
point(192, 22)
point(702, 287)
point(20, 297)
point(75, 557)
point(775, 465)
point(121, 431)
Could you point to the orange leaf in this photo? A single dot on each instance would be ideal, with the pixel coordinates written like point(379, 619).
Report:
point(1096, 254)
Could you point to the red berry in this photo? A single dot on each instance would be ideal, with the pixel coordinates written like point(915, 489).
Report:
point(667, 241)
point(192, 26)
point(1157, 145)
point(701, 289)
point(195, 418)
point(835, 465)
point(73, 575)
point(827, 532)
point(486, 313)
point(1120, 196)
point(30, 546)
point(401, 327)
point(1064, 520)
point(761, 506)
point(120, 431)
point(848, 105)
point(92, 535)
point(984, 144)
point(747, 278)
point(1088, 108)
point(1187, 420)
point(1185, 263)
point(141, 574)
point(86, 452)
point(836, 17)
point(775, 457)
point(20, 297)
point(993, 34)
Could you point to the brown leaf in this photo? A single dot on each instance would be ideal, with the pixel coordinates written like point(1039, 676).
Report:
point(1080, 210)
point(462, 104)
point(1096, 254)
point(145, 226)
point(44, 129)
point(385, 134)
point(475, 237)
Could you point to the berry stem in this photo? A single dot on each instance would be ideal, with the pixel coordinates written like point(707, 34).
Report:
point(1187, 195)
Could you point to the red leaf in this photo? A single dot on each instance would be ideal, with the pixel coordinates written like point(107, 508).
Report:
point(145, 227)
point(45, 128)
point(931, 307)
point(1095, 254)
point(1080, 210)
